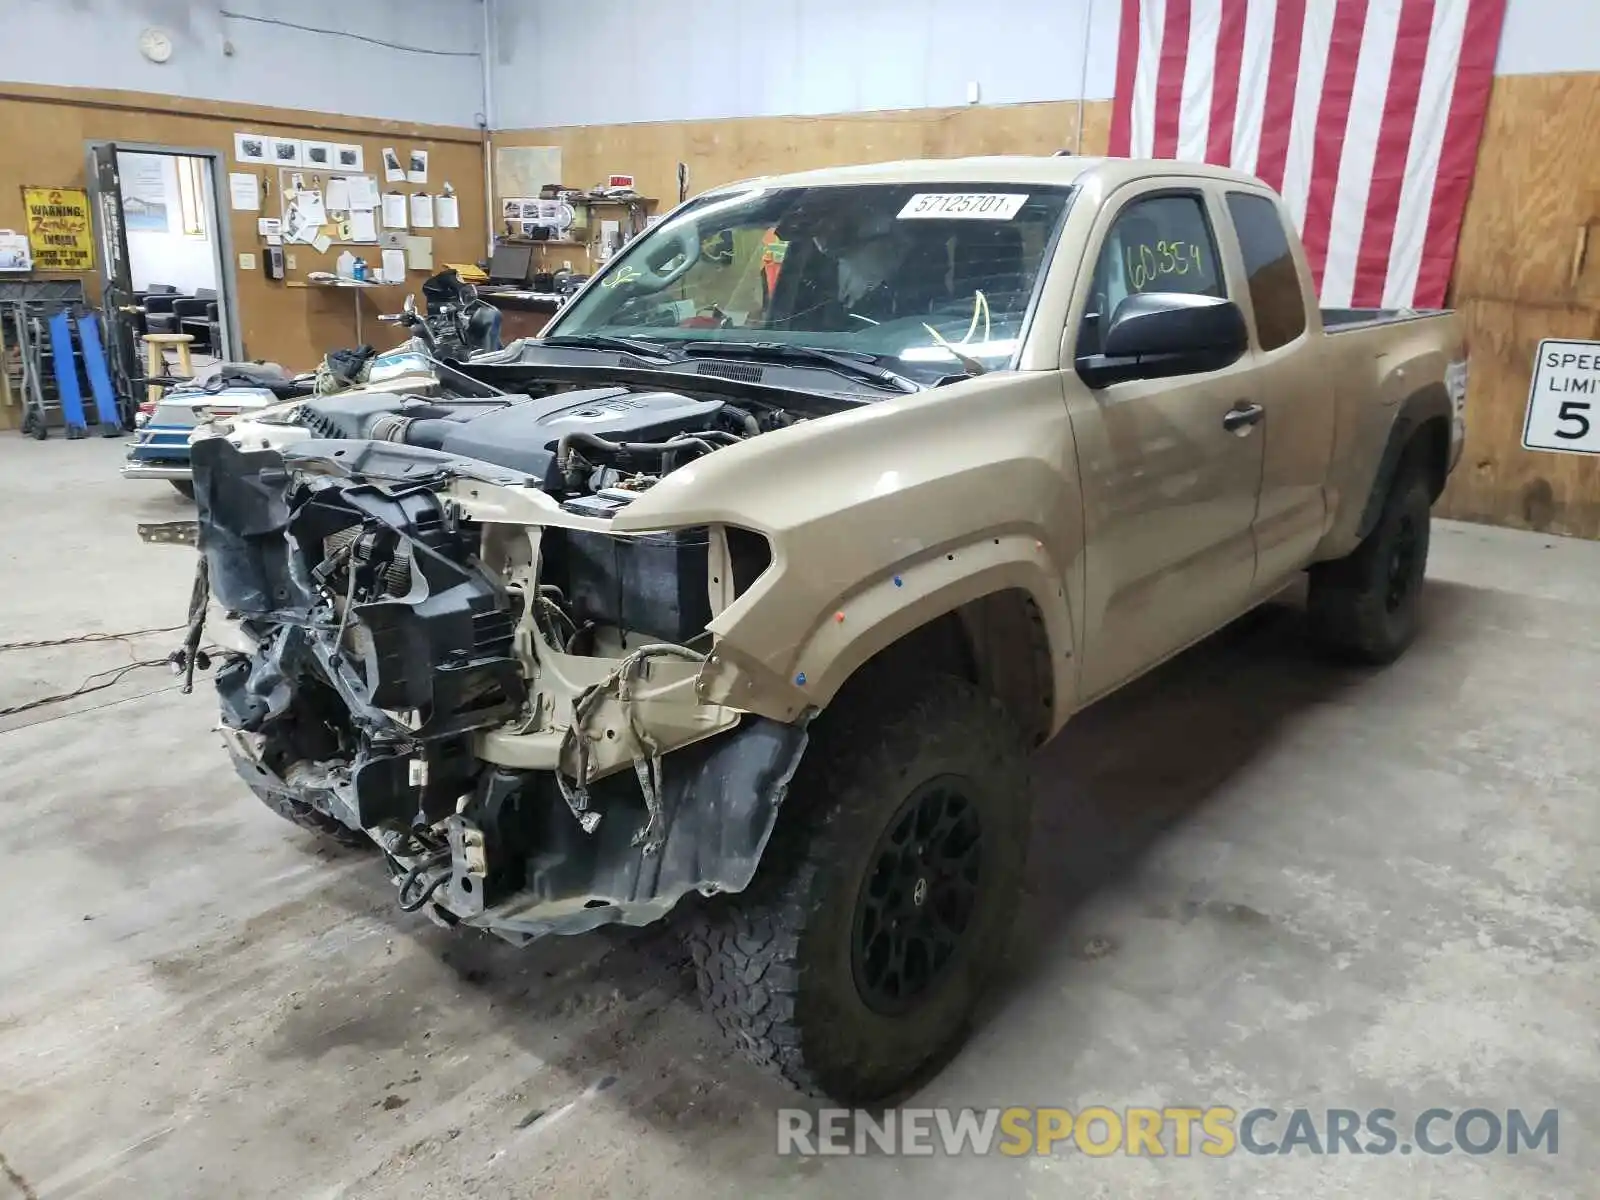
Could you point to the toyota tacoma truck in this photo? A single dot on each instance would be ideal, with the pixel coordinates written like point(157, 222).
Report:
point(824, 501)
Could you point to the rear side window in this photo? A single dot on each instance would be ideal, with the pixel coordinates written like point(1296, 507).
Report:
point(1160, 244)
point(1275, 294)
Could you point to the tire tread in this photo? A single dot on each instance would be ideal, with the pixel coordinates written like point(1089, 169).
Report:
point(746, 949)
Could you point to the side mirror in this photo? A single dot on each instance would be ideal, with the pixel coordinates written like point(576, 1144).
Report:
point(1160, 334)
point(410, 307)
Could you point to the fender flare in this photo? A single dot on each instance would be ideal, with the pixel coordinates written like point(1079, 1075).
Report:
point(1425, 404)
point(878, 615)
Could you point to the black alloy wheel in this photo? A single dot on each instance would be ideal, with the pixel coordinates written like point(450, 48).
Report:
point(1402, 564)
point(916, 904)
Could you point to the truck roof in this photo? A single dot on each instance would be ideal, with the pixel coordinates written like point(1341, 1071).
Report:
point(1059, 170)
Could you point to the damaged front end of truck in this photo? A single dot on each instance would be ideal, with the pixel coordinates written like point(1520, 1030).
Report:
point(466, 663)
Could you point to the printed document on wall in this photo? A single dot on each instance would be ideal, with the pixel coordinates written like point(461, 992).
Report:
point(363, 193)
point(244, 191)
point(422, 211)
point(312, 210)
point(394, 211)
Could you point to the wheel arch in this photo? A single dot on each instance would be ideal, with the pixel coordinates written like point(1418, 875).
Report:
point(1003, 627)
point(1419, 438)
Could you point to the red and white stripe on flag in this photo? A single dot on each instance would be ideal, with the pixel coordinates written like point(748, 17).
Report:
point(1365, 114)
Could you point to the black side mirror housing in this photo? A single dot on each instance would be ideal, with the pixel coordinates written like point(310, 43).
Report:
point(1160, 334)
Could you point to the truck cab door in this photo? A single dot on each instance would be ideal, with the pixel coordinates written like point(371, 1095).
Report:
point(1170, 466)
point(1296, 386)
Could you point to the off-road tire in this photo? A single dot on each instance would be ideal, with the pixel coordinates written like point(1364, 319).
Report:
point(184, 487)
point(775, 964)
point(1364, 607)
point(310, 819)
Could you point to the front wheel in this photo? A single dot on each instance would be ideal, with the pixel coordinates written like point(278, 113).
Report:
point(884, 901)
point(1365, 606)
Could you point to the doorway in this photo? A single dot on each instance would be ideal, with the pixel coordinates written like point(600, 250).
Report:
point(166, 261)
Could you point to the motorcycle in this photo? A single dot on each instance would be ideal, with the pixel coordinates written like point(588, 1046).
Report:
point(455, 328)
point(456, 324)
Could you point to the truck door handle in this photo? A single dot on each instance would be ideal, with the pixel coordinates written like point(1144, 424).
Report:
point(1239, 420)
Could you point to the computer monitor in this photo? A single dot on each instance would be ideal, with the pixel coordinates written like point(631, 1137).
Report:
point(509, 264)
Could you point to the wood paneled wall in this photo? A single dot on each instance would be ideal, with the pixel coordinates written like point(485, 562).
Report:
point(43, 132)
point(737, 148)
point(1528, 266)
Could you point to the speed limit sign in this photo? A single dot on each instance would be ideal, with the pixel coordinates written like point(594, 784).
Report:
point(1564, 401)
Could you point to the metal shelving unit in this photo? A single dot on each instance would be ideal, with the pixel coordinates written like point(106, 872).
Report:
point(25, 307)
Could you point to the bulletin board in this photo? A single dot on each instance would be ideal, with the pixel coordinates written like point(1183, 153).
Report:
point(337, 223)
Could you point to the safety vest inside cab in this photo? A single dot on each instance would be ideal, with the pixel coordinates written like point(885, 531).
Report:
point(771, 259)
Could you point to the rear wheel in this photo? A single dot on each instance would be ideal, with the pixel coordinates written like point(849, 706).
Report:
point(1365, 606)
point(884, 900)
point(184, 487)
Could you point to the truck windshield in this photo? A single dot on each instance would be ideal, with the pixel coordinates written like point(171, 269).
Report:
point(894, 273)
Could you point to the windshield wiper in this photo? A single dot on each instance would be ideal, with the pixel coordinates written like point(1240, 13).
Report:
point(601, 341)
point(849, 362)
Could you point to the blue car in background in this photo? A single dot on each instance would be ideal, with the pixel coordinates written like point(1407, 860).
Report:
point(160, 447)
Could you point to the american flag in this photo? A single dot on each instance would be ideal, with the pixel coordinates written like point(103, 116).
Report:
point(1365, 114)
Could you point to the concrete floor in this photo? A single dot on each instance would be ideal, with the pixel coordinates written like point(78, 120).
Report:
point(1256, 880)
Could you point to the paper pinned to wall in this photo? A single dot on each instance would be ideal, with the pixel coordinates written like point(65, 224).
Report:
point(394, 266)
point(422, 211)
point(15, 252)
point(244, 191)
point(523, 170)
point(363, 227)
point(447, 211)
point(418, 171)
point(393, 172)
point(338, 197)
point(394, 211)
point(320, 243)
point(312, 210)
point(296, 228)
point(363, 192)
point(419, 253)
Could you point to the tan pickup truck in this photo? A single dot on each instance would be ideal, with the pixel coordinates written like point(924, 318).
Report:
point(822, 503)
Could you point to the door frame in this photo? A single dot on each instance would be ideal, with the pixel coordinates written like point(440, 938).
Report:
point(1083, 399)
point(216, 213)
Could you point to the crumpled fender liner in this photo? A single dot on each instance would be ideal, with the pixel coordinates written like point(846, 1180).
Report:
point(243, 510)
point(722, 797)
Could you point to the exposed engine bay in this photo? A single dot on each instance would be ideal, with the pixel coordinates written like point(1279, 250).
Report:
point(571, 443)
point(445, 646)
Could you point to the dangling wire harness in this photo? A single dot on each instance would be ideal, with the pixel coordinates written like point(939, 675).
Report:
point(618, 684)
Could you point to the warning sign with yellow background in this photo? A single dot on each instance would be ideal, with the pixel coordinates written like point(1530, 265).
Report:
point(58, 228)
